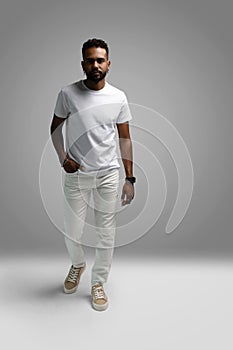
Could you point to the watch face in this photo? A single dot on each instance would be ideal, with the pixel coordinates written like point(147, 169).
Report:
point(131, 179)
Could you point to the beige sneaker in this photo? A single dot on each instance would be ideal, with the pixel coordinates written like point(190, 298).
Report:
point(99, 298)
point(73, 278)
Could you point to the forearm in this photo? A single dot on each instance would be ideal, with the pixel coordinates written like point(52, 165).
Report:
point(127, 155)
point(58, 142)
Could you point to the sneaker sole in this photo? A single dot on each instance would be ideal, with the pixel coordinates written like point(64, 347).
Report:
point(70, 291)
point(98, 307)
point(73, 290)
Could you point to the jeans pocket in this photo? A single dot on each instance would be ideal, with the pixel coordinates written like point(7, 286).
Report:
point(71, 174)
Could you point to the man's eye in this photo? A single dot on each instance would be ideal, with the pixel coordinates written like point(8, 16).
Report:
point(91, 61)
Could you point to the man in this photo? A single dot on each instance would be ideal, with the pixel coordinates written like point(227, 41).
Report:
point(92, 109)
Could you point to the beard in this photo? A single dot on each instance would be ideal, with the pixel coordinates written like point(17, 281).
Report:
point(93, 76)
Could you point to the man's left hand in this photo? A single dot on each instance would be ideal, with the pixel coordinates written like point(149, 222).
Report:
point(127, 193)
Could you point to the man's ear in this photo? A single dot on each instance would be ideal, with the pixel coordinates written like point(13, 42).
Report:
point(82, 64)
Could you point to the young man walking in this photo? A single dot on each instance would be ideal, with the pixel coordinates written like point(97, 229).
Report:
point(92, 109)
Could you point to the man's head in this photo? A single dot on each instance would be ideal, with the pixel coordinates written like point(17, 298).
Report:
point(95, 43)
point(95, 59)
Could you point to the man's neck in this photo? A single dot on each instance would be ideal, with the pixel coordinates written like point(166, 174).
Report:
point(94, 86)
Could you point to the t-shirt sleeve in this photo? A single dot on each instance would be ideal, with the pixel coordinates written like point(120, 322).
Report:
point(125, 114)
point(61, 108)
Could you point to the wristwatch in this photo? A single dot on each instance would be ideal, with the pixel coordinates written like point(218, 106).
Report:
point(131, 179)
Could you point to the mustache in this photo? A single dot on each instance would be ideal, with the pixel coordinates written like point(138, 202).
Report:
point(96, 70)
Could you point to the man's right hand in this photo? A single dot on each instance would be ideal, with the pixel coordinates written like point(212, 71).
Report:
point(70, 166)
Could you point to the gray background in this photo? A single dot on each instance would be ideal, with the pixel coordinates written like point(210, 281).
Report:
point(174, 56)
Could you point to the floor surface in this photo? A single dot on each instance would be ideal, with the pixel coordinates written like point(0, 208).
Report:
point(163, 304)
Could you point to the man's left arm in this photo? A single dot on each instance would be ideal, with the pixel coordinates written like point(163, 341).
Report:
point(127, 159)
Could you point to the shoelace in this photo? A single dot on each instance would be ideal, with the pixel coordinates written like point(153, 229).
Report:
point(73, 274)
point(98, 292)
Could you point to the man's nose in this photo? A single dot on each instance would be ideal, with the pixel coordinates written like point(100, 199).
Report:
point(95, 64)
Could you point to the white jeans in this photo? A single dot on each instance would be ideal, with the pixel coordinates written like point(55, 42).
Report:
point(77, 193)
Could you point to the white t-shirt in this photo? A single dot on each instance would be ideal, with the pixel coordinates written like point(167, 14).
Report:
point(91, 121)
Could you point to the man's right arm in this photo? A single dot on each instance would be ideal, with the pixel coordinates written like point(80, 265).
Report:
point(70, 166)
point(57, 137)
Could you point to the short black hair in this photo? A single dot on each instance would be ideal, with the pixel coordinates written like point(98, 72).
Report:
point(95, 43)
